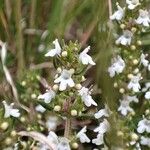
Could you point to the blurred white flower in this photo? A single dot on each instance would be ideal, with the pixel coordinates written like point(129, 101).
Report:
point(63, 144)
point(131, 98)
point(132, 4)
point(134, 83)
point(144, 125)
point(145, 141)
point(40, 108)
point(65, 80)
point(99, 140)
point(10, 111)
point(48, 96)
point(103, 112)
point(144, 61)
point(143, 18)
point(57, 143)
point(125, 39)
point(85, 58)
point(124, 107)
point(147, 95)
point(51, 123)
point(119, 14)
point(86, 97)
point(82, 135)
point(147, 86)
point(117, 66)
point(55, 51)
point(103, 127)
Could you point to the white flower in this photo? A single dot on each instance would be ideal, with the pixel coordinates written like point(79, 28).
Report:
point(85, 58)
point(55, 51)
point(48, 96)
point(125, 39)
point(147, 95)
point(99, 140)
point(132, 4)
point(103, 112)
point(143, 18)
point(117, 66)
point(103, 127)
point(10, 111)
point(57, 143)
point(63, 144)
point(51, 123)
point(65, 80)
point(86, 97)
point(124, 107)
point(144, 125)
point(40, 108)
point(131, 98)
point(145, 141)
point(134, 83)
point(144, 61)
point(147, 86)
point(119, 14)
point(82, 136)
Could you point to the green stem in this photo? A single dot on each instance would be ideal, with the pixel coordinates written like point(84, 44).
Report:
point(19, 38)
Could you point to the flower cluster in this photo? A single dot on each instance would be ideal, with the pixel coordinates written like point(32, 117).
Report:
point(130, 70)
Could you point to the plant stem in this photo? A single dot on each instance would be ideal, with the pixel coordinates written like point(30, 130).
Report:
point(19, 39)
point(67, 127)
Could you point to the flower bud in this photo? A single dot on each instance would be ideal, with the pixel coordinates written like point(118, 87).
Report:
point(120, 133)
point(134, 137)
point(23, 83)
point(56, 76)
point(136, 71)
point(147, 111)
point(39, 116)
point(8, 141)
point(13, 133)
point(59, 70)
point(72, 71)
point(55, 87)
point(122, 26)
point(74, 112)
point(33, 96)
point(22, 119)
point(133, 47)
point(130, 76)
point(139, 42)
point(121, 90)
point(4, 125)
point(131, 57)
point(28, 128)
point(75, 145)
point(135, 62)
point(57, 108)
point(76, 49)
point(83, 79)
point(115, 85)
point(64, 54)
point(134, 29)
point(78, 86)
